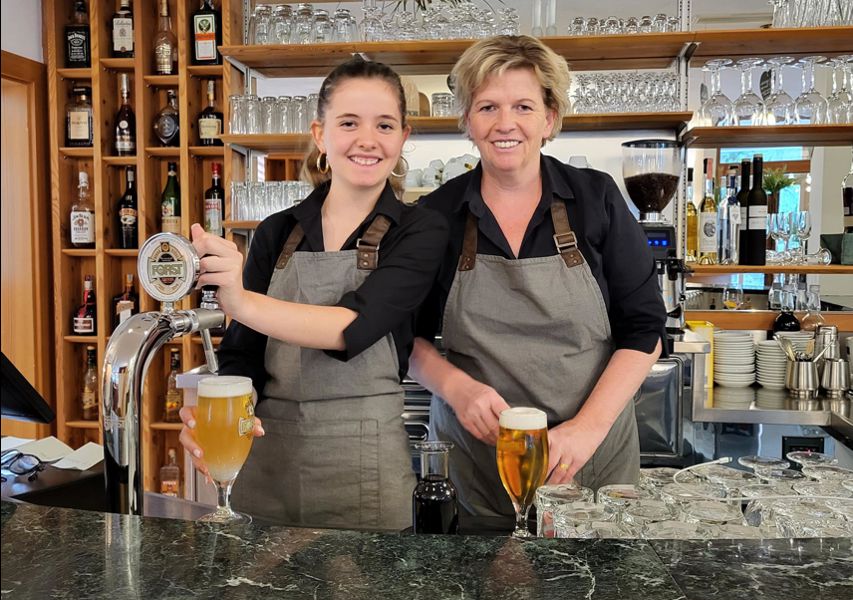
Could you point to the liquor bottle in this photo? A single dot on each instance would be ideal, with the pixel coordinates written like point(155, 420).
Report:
point(742, 200)
point(787, 320)
point(208, 300)
point(78, 48)
point(165, 44)
point(89, 393)
point(125, 122)
point(83, 215)
point(214, 204)
point(128, 223)
point(729, 221)
point(78, 118)
point(170, 202)
point(708, 219)
point(210, 120)
point(122, 28)
point(206, 35)
point(167, 124)
point(757, 211)
point(847, 200)
point(84, 320)
point(170, 476)
point(692, 222)
point(125, 304)
point(434, 500)
point(174, 395)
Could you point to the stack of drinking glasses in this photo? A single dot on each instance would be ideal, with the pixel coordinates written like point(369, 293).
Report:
point(285, 114)
point(791, 231)
point(614, 25)
point(256, 200)
point(780, 108)
point(811, 13)
point(625, 92)
point(281, 24)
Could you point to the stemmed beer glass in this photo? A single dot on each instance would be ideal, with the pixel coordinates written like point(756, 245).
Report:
point(522, 453)
point(225, 423)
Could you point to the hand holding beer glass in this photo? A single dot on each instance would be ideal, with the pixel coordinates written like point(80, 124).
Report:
point(522, 453)
point(225, 422)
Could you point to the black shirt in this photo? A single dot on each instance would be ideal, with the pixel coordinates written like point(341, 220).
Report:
point(409, 257)
point(609, 237)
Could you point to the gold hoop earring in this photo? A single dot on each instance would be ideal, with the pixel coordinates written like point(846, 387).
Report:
point(319, 160)
point(405, 168)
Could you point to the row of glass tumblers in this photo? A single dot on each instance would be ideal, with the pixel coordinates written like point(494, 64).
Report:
point(285, 114)
point(256, 200)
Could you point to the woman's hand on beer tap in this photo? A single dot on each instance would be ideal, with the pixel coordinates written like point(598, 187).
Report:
point(187, 438)
point(221, 265)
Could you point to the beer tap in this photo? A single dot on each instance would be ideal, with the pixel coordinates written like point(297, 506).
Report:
point(168, 268)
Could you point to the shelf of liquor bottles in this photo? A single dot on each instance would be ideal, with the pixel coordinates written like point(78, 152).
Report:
point(772, 269)
point(776, 135)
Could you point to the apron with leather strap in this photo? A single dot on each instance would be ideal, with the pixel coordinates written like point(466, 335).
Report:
point(537, 331)
point(336, 452)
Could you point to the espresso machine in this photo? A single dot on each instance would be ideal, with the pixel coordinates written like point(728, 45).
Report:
point(651, 170)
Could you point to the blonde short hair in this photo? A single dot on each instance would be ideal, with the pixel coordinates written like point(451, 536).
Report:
point(496, 55)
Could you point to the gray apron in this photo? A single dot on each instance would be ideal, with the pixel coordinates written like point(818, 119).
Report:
point(336, 452)
point(537, 331)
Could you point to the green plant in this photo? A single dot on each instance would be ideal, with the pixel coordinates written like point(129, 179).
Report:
point(776, 180)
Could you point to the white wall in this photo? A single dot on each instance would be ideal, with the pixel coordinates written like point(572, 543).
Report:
point(20, 26)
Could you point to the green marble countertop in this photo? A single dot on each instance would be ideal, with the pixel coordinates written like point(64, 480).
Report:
point(64, 553)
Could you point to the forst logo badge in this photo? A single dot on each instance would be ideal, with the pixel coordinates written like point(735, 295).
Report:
point(166, 268)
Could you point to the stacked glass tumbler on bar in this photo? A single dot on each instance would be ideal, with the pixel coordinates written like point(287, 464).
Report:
point(285, 114)
point(811, 13)
point(256, 200)
point(624, 92)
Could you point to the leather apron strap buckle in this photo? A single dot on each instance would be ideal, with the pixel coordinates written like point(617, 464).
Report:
point(367, 246)
point(564, 238)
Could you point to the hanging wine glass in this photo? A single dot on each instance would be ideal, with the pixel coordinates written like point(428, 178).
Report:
point(838, 103)
point(780, 105)
point(749, 108)
point(810, 106)
point(717, 109)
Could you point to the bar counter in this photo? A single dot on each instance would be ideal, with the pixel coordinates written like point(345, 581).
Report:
point(65, 553)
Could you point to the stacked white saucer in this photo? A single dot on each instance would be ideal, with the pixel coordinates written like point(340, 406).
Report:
point(734, 359)
point(770, 365)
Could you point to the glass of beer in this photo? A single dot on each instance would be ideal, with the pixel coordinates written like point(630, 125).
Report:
point(522, 459)
point(225, 422)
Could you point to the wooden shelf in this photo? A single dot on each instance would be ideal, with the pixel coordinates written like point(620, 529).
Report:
point(119, 161)
point(121, 252)
point(736, 43)
point(196, 339)
point(77, 152)
point(762, 319)
point(81, 339)
point(118, 64)
point(168, 152)
point(272, 142)
point(815, 269)
point(776, 135)
point(240, 224)
point(74, 73)
point(83, 424)
point(205, 71)
point(79, 252)
point(207, 151)
point(162, 426)
point(161, 80)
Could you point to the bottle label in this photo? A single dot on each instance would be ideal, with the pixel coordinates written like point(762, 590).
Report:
point(707, 232)
point(84, 325)
point(122, 34)
point(163, 59)
point(213, 216)
point(736, 215)
point(124, 310)
point(170, 487)
point(757, 218)
point(77, 51)
point(209, 128)
point(171, 224)
point(82, 227)
point(204, 30)
point(89, 400)
point(166, 127)
point(125, 141)
point(127, 217)
point(78, 125)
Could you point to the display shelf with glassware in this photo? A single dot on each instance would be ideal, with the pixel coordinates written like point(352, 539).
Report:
point(768, 135)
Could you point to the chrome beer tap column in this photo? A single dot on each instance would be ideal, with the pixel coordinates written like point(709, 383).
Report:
point(168, 268)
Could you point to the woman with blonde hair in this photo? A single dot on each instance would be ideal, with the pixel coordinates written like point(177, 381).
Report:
point(322, 319)
point(547, 296)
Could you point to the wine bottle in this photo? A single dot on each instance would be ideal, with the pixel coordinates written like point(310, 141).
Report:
point(128, 223)
point(692, 222)
point(729, 221)
point(757, 216)
point(708, 219)
point(742, 200)
point(170, 202)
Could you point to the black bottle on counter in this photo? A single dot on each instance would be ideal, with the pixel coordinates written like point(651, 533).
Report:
point(434, 507)
point(743, 202)
point(787, 320)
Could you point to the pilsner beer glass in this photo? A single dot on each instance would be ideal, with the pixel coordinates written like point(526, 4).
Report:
point(225, 423)
point(522, 453)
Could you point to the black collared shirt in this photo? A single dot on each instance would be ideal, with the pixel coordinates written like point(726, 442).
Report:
point(409, 257)
point(609, 237)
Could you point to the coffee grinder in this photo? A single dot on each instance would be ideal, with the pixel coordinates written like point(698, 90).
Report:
point(651, 170)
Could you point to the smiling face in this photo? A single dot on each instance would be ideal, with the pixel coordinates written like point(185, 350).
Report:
point(508, 121)
point(361, 133)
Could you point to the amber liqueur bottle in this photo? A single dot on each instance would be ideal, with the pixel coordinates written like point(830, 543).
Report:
point(125, 304)
point(174, 395)
point(210, 120)
point(89, 392)
point(83, 321)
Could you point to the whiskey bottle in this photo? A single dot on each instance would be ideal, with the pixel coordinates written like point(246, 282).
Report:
point(165, 44)
point(206, 35)
point(78, 118)
point(708, 219)
point(125, 304)
point(167, 123)
point(84, 319)
point(174, 395)
point(78, 48)
point(122, 30)
point(170, 476)
point(692, 222)
point(83, 215)
point(170, 202)
point(128, 221)
point(125, 122)
point(89, 393)
point(214, 204)
point(210, 120)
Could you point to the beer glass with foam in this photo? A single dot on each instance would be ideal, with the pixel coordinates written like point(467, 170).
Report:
point(522, 454)
point(225, 421)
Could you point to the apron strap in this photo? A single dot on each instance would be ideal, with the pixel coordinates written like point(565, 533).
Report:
point(293, 240)
point(564, 237)
point(469, 244)
point(368, 244)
